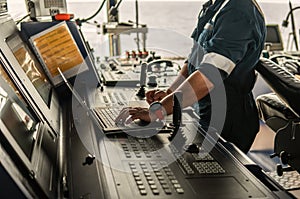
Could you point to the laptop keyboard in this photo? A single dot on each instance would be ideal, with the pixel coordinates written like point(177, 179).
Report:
point(107, 115)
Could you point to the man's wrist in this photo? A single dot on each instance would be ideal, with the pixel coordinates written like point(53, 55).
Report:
point(157, 109)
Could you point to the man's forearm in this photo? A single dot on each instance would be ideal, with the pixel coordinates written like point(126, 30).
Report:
point(183, 74)
point(194, 88)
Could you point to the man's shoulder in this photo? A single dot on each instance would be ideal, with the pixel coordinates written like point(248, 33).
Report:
point(238, 3)
point(244, 7)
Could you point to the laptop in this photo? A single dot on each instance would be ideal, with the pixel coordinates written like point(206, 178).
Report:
point(104, 116)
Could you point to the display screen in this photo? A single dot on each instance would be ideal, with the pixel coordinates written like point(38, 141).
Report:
point(31, 67)
point(56, 48)
point(274, 37)
point(273, 34)
point(16, 115)
point(50, 7)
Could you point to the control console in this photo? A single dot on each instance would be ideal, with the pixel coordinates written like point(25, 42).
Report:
point(157, 168)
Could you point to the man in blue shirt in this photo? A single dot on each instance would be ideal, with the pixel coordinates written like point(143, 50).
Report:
point(229, 38)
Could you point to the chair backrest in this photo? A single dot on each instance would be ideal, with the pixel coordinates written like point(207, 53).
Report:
point(282, 82)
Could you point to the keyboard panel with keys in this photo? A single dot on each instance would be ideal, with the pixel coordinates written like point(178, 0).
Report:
point(289, 180)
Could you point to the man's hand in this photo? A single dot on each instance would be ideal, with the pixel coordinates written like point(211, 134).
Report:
point(129, 114)
point(155, 95)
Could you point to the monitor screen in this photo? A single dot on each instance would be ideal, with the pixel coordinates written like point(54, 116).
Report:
point(16, 114)
point(30, 66)
point(56, 48)
point(49, 7)
point(274, 37)
point(3, 7)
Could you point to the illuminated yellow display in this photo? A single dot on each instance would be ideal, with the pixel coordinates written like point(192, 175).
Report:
point(58, 49)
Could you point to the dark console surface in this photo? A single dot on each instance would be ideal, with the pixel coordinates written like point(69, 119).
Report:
point(154, 168)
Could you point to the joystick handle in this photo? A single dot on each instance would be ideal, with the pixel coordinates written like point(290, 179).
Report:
point(177, 113)
point(143, 76)
point(141, 92)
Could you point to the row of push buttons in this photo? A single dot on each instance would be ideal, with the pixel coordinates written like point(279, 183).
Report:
point(289, 180)
point(202, 157)
point(208, 167)
point(166, 171)
point(164, 176)
point(204, 163)
point(140, 148)
point(181, 160)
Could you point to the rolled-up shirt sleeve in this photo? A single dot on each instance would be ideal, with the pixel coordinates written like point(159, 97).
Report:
point(228, 44)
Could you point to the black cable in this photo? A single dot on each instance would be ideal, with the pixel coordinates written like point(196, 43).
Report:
point(293, 26)
point(286, 22)
point(288, 15)
point(20, 20)
point(96, 13)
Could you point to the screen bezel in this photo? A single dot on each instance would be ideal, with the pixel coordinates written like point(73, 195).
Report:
point(50, 114)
